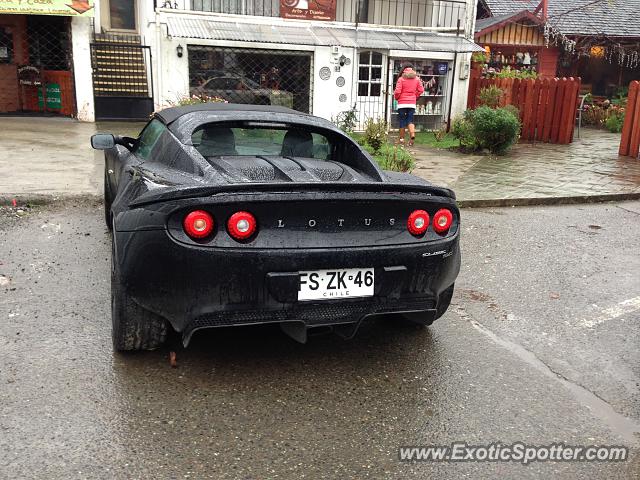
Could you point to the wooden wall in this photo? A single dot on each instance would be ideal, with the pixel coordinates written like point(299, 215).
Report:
point(548, 62)
point(514, 34)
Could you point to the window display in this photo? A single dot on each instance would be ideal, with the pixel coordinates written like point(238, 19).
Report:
point(511, 59)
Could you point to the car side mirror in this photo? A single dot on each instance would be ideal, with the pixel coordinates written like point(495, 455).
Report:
point(103, 141)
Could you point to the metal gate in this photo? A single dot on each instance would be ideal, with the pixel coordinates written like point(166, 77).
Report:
point(122, 77)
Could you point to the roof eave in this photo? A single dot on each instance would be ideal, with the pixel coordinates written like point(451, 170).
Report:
point(522, 15)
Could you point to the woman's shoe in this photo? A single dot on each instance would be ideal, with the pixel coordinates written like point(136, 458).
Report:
point(411, 141)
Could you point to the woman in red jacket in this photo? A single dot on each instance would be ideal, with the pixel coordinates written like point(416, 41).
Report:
point(408, 90)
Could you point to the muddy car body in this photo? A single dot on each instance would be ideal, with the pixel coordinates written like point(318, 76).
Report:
point(228, 215)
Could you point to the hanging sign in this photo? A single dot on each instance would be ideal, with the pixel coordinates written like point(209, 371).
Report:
point(308, 9)
point(71, 8)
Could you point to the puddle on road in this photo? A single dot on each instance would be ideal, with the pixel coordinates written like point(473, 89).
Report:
point(625, 427)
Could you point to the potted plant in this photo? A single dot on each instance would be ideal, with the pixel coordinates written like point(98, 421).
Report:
point(478, 61)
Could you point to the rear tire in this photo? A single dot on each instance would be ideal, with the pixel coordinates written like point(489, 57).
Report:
point(133, 327)
point(108, 200)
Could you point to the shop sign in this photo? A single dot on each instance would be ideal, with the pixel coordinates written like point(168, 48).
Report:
point(308, 9)
point(54, 100)
point(29, 75)
point(48, 7)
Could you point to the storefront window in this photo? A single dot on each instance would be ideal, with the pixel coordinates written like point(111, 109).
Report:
point(251, 76)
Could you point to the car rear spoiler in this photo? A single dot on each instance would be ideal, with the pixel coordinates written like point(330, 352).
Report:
point(169, 193)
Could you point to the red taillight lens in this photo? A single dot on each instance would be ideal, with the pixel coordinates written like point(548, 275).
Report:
point(198, 224)
point(442, 220)
point(418, 222)
point(241, 225)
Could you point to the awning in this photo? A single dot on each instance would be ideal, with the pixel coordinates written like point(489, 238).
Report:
point(196, 27)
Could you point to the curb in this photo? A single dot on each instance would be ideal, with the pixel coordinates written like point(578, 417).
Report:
point(527, 202)
point(47, 199)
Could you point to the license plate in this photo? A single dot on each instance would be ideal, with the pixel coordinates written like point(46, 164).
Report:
point(335, 284)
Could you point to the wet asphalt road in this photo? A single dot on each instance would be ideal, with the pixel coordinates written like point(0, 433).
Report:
point(540, 346)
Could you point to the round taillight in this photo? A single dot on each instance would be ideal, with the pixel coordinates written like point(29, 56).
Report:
point(198, 224)
point(418, 222)
point(442, 220)
point(242, 225)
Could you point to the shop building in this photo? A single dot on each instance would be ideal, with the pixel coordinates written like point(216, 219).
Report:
point(325, 57)
point(598, 41)
point(44, 58)
point(516, 42)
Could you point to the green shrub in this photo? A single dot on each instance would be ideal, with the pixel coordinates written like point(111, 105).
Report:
point(523, 74)
point(614, 123)
point(494, 129)
point(621, 97)
point(440, 134)
point(608, 115)
point(197, 99)
point(358, 138)
point(396, 158)
point(487, 128)
point(513, 109)
point(594, 115)
point(393, 157)
point(462, 129)
point(375, 133)
point(347, 120)
point(479, 57)
point(490, 96)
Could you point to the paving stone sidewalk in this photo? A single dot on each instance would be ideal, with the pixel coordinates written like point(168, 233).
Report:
point(49, 157)
point(589, 167)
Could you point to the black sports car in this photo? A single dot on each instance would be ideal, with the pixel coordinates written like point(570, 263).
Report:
point(227, 215)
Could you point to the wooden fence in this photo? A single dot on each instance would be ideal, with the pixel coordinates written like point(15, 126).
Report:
point(547, 106)
point(630, 143)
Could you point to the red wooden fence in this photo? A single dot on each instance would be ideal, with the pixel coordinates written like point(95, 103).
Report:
point(547, 106)
point(630, 143)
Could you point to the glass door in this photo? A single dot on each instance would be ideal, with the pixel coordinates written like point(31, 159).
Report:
point(370, 94)
point(432, 106)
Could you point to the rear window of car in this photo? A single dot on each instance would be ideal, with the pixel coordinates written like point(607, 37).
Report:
point(217, 140)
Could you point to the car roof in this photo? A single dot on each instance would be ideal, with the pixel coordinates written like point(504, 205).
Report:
point(169, 115)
